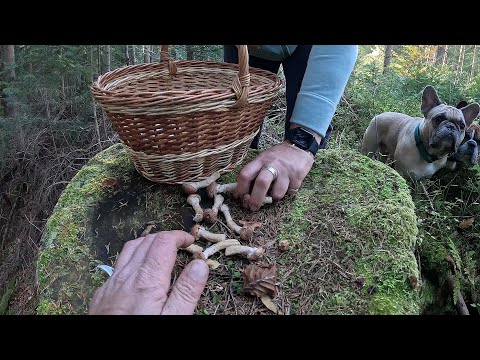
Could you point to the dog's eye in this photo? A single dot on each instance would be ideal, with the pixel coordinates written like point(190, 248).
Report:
point(462, 126)
point(439, 119)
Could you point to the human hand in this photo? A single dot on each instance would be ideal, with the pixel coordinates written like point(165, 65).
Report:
point(292, 165)
point(142, 275)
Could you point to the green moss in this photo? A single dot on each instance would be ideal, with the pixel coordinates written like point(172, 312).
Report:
point(64, 253)
point(46, 307)
point(371, 205)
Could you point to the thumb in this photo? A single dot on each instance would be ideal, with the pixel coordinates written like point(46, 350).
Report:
point(187, 290)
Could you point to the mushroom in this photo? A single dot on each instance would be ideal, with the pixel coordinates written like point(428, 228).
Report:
point(283, 245)
point(216, 248)
point(192, 249)
point(200, 232)
point(215, 188)
point(251, 253)
point(210, 215)
point(245, 231)
point(246, 199)
point(194, 200)
point(192, 188)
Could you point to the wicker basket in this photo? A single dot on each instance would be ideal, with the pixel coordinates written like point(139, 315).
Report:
point(182, 121)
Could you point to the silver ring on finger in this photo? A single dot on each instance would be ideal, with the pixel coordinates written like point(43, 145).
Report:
point(272, 169)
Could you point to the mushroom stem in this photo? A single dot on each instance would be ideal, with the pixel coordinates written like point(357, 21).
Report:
point(219, 246)
point(210, 215)
point(194, 201)
point(246, 199)
point(228, 217)
point(192, 249)
point(215, 188)
point(192, 188)
point(200, 232)
point(251, 253)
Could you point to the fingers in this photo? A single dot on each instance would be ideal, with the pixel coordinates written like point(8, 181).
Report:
point(246, 177)
point(126, 253)
point(155, 271)
point(260, 189)
point(187, 290)
point(280, 187)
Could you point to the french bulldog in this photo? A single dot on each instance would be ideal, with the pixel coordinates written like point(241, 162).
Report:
point(468, 151)
point(419, 146)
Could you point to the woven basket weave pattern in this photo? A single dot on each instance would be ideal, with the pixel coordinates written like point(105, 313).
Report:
point(184, 127)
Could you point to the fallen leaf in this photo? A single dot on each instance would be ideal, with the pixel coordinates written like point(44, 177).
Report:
point(259, 280)
point(212, 264)
point(466, 223)
point(267, 301)
point(111, 183)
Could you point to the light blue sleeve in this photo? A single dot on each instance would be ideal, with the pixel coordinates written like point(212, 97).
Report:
point(327, 73)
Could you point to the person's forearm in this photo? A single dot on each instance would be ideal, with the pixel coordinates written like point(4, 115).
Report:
point(328, 70)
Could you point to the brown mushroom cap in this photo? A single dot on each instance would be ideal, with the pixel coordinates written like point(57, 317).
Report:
point(189, 189)
point(210, 216)
point(212, 189)
point(195, 232)
point(246, 233)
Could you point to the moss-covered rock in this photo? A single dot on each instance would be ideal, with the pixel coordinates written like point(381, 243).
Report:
point(351, 227)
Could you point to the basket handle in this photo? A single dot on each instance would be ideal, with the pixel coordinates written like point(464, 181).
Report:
point(241, 82)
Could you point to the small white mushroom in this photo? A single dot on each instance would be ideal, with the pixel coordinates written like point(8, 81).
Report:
point(246, 199)
point(192, 188)
point(200, 232)
point(251, 253)
point(245, 231)
point(194, 201)
point(215, 188)
point(192, 249)
point(210, 215)
point(217, 247)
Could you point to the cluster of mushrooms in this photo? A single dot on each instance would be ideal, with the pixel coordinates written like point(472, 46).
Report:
point(210, 216)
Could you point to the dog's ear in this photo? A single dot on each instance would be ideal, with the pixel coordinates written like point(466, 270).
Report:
point(461, 104)
point(470, 112)
point(429, 99)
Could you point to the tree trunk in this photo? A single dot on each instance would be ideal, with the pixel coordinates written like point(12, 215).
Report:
point(387, 58)
point(440, 54)
point(461, 58)
point(131, 55)
point(95, 117)
point(106, 59)
point(445, 57)
point(8, 63)
point(472, 70)
point(189, 51)
point(146, 54)
point(126, 55)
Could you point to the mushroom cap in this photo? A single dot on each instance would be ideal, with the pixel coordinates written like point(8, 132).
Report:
point(189, 188)
point(192, 197)
point(246, 233)
point(212, 189)
point(196, 231)
point(283, 245)
point(199, 255)
point(210, 216)
point(257, 254)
